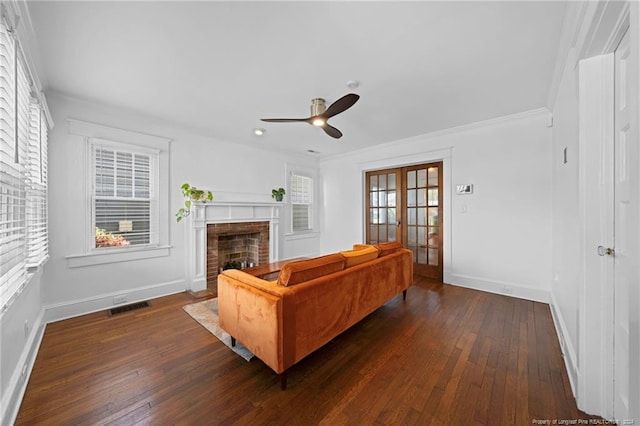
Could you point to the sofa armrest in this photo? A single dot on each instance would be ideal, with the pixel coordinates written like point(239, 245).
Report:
point(250, 310)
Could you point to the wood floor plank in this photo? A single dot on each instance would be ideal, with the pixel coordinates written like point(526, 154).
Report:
point(445, 355)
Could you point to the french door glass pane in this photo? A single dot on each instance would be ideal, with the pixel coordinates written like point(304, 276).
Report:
point(411, 179)
point(433, 176)
point(391, 216)
point(373, 183)
point(422, 216)
point(433, 197)
point(391, 198)
point(374, 199)
point(382, 216)
point(382, 198)
point(392, 233)
point(391, 181)
point(382, 182)
point(422, 178)
point(382, 233)
point(411, 216)
point(411, 197)
point(422, 197)
point(433, 216)
point(373, 234)
point(433, 257)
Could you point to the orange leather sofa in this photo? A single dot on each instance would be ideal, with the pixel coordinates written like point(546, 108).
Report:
point(312, 301)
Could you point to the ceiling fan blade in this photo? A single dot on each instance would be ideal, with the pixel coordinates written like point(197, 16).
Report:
point(283, 120)
point(341, 105)
point(332, 131)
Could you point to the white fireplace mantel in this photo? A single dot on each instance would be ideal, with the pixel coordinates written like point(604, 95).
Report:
point(225, 212)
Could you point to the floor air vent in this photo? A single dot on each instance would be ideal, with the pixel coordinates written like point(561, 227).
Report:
point(127, 308)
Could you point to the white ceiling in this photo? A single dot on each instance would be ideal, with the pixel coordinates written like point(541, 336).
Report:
point(217, 67)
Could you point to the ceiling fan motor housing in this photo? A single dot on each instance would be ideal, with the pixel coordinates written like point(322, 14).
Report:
point(318, 106)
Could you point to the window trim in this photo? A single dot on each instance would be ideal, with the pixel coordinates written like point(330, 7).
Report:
point(311, 174)
point(89, 255)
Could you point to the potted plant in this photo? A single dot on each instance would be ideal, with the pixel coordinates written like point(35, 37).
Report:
point(277, 194)
point(191, 195)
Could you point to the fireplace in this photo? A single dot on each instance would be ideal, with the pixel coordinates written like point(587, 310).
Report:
point(253, 222)
point(236, 245)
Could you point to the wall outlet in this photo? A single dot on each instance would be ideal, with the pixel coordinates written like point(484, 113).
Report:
point(120, 299)
point(507, 289)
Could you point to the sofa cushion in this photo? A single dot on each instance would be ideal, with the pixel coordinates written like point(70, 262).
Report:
point(388, 248)
point(306, 270)
point(360, 255)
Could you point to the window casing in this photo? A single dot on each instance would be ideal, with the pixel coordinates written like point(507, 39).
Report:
point(301, 199)
point(124, 195)
point(23, 172)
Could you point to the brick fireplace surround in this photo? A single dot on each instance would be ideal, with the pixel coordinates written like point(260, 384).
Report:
point(240, 241)
point(222, 217)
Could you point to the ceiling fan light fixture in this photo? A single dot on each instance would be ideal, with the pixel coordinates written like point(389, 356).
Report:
point(318, 122)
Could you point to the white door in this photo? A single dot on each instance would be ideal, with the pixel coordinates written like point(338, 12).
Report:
point(625, 209)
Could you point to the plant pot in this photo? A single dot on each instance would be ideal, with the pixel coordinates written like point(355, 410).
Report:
point(279, 197)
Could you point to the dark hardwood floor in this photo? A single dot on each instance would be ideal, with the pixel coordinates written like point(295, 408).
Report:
point(447, 355)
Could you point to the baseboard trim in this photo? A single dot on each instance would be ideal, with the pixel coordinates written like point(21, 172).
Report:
point(12, 399)
point(74, 308)
point(568, 351)
point(498, 287)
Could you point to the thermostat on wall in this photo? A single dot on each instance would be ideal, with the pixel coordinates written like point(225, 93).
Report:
point(464, 189)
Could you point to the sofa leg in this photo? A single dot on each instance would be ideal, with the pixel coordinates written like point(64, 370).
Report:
point(404, 294)
point(283, 381)
point(233, 341)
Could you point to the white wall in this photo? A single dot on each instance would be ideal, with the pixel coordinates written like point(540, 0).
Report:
point(231, 171)
point(21, 329)
point(566, 250)
point(504, 238)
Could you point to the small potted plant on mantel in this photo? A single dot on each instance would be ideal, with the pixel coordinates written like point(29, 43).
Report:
point(277, 194)
point(192, 195)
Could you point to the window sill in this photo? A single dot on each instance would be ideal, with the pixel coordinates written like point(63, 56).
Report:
point(126, 255)
point(302, 235)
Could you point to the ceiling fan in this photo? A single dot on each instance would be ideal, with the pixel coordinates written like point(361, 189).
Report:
point(320, 114)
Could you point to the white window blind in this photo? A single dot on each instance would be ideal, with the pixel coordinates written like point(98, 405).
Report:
point(22, 241)
point(301, 189)
point(125, 204)
point(37, 215)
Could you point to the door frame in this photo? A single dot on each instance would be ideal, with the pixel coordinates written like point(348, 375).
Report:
point(445, 156)
point(595, 358)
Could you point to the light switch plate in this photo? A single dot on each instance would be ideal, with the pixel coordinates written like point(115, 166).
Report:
point(464, 189)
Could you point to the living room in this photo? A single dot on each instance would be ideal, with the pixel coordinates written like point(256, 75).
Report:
point(522, 233)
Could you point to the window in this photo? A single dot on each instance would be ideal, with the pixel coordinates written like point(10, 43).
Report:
point(23, 172)
point(301, 190)
point(124, 199)
point(127, 208)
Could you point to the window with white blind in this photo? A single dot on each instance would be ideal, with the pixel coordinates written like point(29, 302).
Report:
point(125, 205)
point(23, 173)
point(301, 198)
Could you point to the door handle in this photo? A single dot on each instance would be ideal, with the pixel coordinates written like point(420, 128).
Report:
point(605, 251)
point(398, 223)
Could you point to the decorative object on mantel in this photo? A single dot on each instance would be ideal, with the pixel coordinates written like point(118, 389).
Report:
point(191, 195)
point(278, 193)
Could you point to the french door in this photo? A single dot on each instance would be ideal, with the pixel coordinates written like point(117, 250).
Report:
point(405, 204)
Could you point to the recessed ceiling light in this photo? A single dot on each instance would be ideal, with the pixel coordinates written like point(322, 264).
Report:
point(259, 131)
point(353, 84)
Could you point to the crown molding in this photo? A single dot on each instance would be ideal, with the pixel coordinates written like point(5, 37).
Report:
point(539, 112)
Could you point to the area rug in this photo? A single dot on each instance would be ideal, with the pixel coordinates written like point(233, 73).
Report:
point(206, 313)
